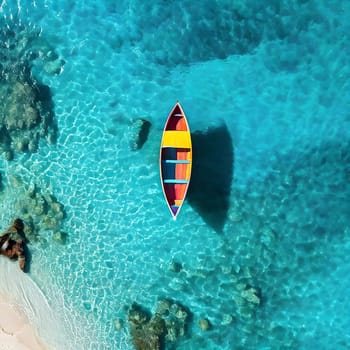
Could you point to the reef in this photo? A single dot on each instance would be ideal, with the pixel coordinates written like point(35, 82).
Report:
point(42, 212)
point(147, 333)
point(246, 295)
point(12, 243)
point(22, 118)
point(152, 332)
point(26, 107)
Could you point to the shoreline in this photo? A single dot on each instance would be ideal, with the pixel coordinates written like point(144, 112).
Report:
point(16, 332)
point(27, 322)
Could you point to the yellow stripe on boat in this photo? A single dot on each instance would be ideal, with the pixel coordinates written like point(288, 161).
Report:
point(175, 138)
point(178, 202)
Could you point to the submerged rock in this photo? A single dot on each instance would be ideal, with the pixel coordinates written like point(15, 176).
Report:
point(163, 307)
point(26, 107)
point(60, 237)
point(234, 214)
point(246, 294)
point(204, 324)
point(25, 117)
point(53, 64)
point(140, 131)
point(41, 212)
point(29, 228)
point(251, 295)
point(137, 316)
point(150, 332)
point(146, 333)
point(175, 266)
point(176, 319)
point(227, 319)
point(118, 324)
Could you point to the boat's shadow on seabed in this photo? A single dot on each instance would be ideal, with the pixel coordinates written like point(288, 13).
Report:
point(212, 173)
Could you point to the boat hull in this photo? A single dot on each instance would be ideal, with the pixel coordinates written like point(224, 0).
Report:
point(175, 159)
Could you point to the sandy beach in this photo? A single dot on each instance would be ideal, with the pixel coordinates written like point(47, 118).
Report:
point(15, 330)
point(27, 322)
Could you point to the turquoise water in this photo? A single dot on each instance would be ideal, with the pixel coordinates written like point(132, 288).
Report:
point(266, 91)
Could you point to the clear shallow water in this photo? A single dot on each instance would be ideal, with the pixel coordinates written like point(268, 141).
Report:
point(283, 94)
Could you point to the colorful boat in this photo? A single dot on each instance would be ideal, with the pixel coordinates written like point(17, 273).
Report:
point(175, 159)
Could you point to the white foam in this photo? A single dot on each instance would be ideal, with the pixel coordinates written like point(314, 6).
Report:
point(20, 289)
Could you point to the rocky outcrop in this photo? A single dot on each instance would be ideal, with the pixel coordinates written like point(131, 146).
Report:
point(41, 212)
point(26, 107)
point(25, 45)
point(175, 316)
point(12, 243)
point(147, 333)
point(151, 332)
point(26, 114)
